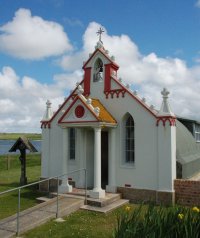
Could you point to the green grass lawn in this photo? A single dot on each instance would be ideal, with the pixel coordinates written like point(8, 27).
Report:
point(15, 136)
point(10, 179)
point(80, 224)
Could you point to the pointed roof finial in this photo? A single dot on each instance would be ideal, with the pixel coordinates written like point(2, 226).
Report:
point(165, 93)
point(165, 109)
point(99, 33)
point(48, 113)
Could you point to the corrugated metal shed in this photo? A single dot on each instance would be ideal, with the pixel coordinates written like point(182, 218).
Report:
point(187, 151)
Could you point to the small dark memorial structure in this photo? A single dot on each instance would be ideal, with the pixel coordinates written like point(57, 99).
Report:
point(22, 144)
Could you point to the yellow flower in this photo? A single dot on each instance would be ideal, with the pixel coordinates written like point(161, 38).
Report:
point(195, 209)
point(127, 208)
point(180, 216)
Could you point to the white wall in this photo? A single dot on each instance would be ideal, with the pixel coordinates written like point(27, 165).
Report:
point(142, 174)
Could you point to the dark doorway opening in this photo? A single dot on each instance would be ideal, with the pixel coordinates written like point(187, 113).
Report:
point(104, 159)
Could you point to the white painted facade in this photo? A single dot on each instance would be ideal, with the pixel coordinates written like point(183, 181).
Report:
point(154, 166)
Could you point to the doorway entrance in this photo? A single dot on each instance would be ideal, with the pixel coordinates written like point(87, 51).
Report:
point(104, 159)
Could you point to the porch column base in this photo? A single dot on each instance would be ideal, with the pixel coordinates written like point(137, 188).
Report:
point(111, 189)
point(100, 193)
point(65, 187)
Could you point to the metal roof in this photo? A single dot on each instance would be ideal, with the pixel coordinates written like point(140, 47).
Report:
point(187, 150)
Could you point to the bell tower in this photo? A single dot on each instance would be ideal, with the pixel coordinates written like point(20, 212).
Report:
point(100, 67)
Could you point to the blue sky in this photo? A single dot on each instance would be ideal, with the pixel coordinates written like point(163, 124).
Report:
point(155, 42)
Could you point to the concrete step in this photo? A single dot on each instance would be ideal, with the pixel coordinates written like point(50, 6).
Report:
point(107, 208)
point(66, 210)
point(102, 202)
point(42, 199)
point(79, 192)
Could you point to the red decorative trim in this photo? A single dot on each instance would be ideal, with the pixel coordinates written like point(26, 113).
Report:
point(103, 52)
point(73, 96)
point(79, 111)
point(85, 104)
point(87, 78)
point(86, 95)
point(63, 122)
point(132, 95)
point(45, 124)
point(164, 119)
point(107, 82)
point(116, 92)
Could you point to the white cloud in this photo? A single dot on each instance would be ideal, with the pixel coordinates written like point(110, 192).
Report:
point(68, 80)
point(23, 99)
point(197, 4)
point(31, 37)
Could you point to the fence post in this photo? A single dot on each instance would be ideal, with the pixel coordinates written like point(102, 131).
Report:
point(18, 211)
point(85, 186)
point(49, 188)
point(57, 198)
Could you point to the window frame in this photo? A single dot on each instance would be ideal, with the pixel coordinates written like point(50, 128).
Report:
point(129, 140)
point(197, 132)
point(127, 163)
point(72, 143)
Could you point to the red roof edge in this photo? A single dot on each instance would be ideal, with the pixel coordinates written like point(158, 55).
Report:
point(132, 95)
point(101, 51)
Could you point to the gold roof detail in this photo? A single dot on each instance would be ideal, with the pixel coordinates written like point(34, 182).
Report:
point(104, 115)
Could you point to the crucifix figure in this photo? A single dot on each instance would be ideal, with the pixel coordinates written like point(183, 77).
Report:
point(22, 158)
point(99, 33)
point(22, 144)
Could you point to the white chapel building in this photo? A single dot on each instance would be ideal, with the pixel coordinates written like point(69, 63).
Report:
point(125, 144)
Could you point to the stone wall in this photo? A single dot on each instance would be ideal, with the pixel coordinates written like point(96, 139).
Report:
point(187, 192)
point(49, 186)
point(145, 195)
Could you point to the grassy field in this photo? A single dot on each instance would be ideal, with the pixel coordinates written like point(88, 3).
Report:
point(81, 224)
point(14, 136)
point(10, 179)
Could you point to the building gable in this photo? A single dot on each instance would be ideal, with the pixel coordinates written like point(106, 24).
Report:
point(78, 112)
point(85, 110)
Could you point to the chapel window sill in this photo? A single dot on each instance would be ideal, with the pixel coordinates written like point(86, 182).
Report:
point(128, 165)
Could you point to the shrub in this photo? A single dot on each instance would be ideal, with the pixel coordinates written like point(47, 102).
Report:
point(155, 222)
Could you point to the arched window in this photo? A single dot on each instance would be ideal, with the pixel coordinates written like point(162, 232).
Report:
point(98, 70)
point(129, 140)
point(72, 147)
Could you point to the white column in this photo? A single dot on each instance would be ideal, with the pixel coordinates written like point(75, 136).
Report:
point(81, 145)
point(65, 187)
point(166, 157)
point(111, 187)
point(45, 153)
point(97, 192)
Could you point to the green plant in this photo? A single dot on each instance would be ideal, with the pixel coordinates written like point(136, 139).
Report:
point(152, 222)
